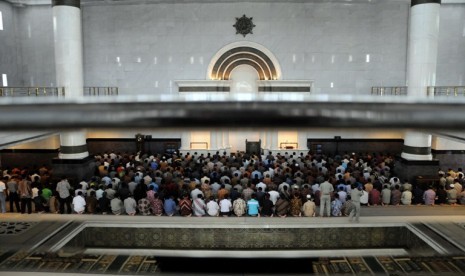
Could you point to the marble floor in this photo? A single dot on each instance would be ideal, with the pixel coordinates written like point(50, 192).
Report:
point(34, 244)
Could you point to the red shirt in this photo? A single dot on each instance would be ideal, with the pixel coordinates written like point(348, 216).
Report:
point(374, 197)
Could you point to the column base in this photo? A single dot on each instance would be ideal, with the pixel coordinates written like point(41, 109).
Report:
point(74, 169)
point(411, 170)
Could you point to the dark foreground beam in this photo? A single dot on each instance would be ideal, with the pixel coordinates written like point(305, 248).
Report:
point(308, 112)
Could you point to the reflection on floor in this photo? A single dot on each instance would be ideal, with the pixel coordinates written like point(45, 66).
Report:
point(122, 264)
point(29, 243)
point(98, 264)
point(13, 228)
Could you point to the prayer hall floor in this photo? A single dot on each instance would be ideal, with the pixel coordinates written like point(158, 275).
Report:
point(51, 243)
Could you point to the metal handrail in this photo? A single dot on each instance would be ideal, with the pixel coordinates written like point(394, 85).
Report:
point(446, 91)
point(13, 91)
point(285, 145)
point(101, 91)
point(54, 91)
point(389, 90)
point(199, 143)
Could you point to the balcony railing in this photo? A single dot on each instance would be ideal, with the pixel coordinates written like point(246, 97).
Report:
point(54, 91)
point(31, 91)
point(389, 90)
point(100, 91)
point(453, 91)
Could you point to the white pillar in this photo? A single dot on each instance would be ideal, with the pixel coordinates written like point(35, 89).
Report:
point(213, 140)
point(185, 141)
point(421, 68)
point(273, 144)
point(219, 140)
point(417, 146)
point(67, 33)
point(73, 145)
point(262, 137)
point(423, 42)
point(226, 144)
point(302, 140)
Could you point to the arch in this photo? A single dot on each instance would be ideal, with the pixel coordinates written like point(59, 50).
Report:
point(239, 53)
point(226, 74)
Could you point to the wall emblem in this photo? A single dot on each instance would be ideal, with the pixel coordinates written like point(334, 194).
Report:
point(244, 25)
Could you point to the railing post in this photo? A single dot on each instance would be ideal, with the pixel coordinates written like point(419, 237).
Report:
point(1, 92)
point(455, 91)
point(428, 91)
point(117, 91)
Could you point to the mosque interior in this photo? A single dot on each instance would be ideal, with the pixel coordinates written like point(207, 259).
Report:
point(85, 77)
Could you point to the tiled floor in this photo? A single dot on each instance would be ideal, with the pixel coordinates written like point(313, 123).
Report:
point(23, 236)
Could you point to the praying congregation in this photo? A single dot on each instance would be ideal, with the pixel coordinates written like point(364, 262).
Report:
point(320, 137)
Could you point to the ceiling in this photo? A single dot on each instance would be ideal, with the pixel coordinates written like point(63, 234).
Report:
point(22, 3)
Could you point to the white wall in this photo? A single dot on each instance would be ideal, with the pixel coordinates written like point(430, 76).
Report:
point(441, 143)
point(159, 43)
point(326, 42)
point(8, 45)
point(26, 45)
point(29, 140)
point(34, 29)
point(451, 52)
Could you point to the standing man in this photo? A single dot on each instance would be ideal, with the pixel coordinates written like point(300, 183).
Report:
point(25, 192)
point(3, 195)
point(355, 194)
point(13, 193)
point(326, 189)
point(63, 188)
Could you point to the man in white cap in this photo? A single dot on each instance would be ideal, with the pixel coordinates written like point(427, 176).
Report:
point(458, 187)
point(309, 207)
point(452, 195)
point(442, 179)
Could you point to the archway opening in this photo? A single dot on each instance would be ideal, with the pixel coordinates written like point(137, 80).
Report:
point(244, 79)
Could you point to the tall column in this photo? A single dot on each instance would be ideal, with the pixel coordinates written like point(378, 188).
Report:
point(213, 140)
point(421, 72)
point(67, 34)
point(417, 146)
point(262, 136)
point(423, 42)
point(273, 141)
point(302, 140)
point(421, 67)
point(185, 141)
point(226, 145)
